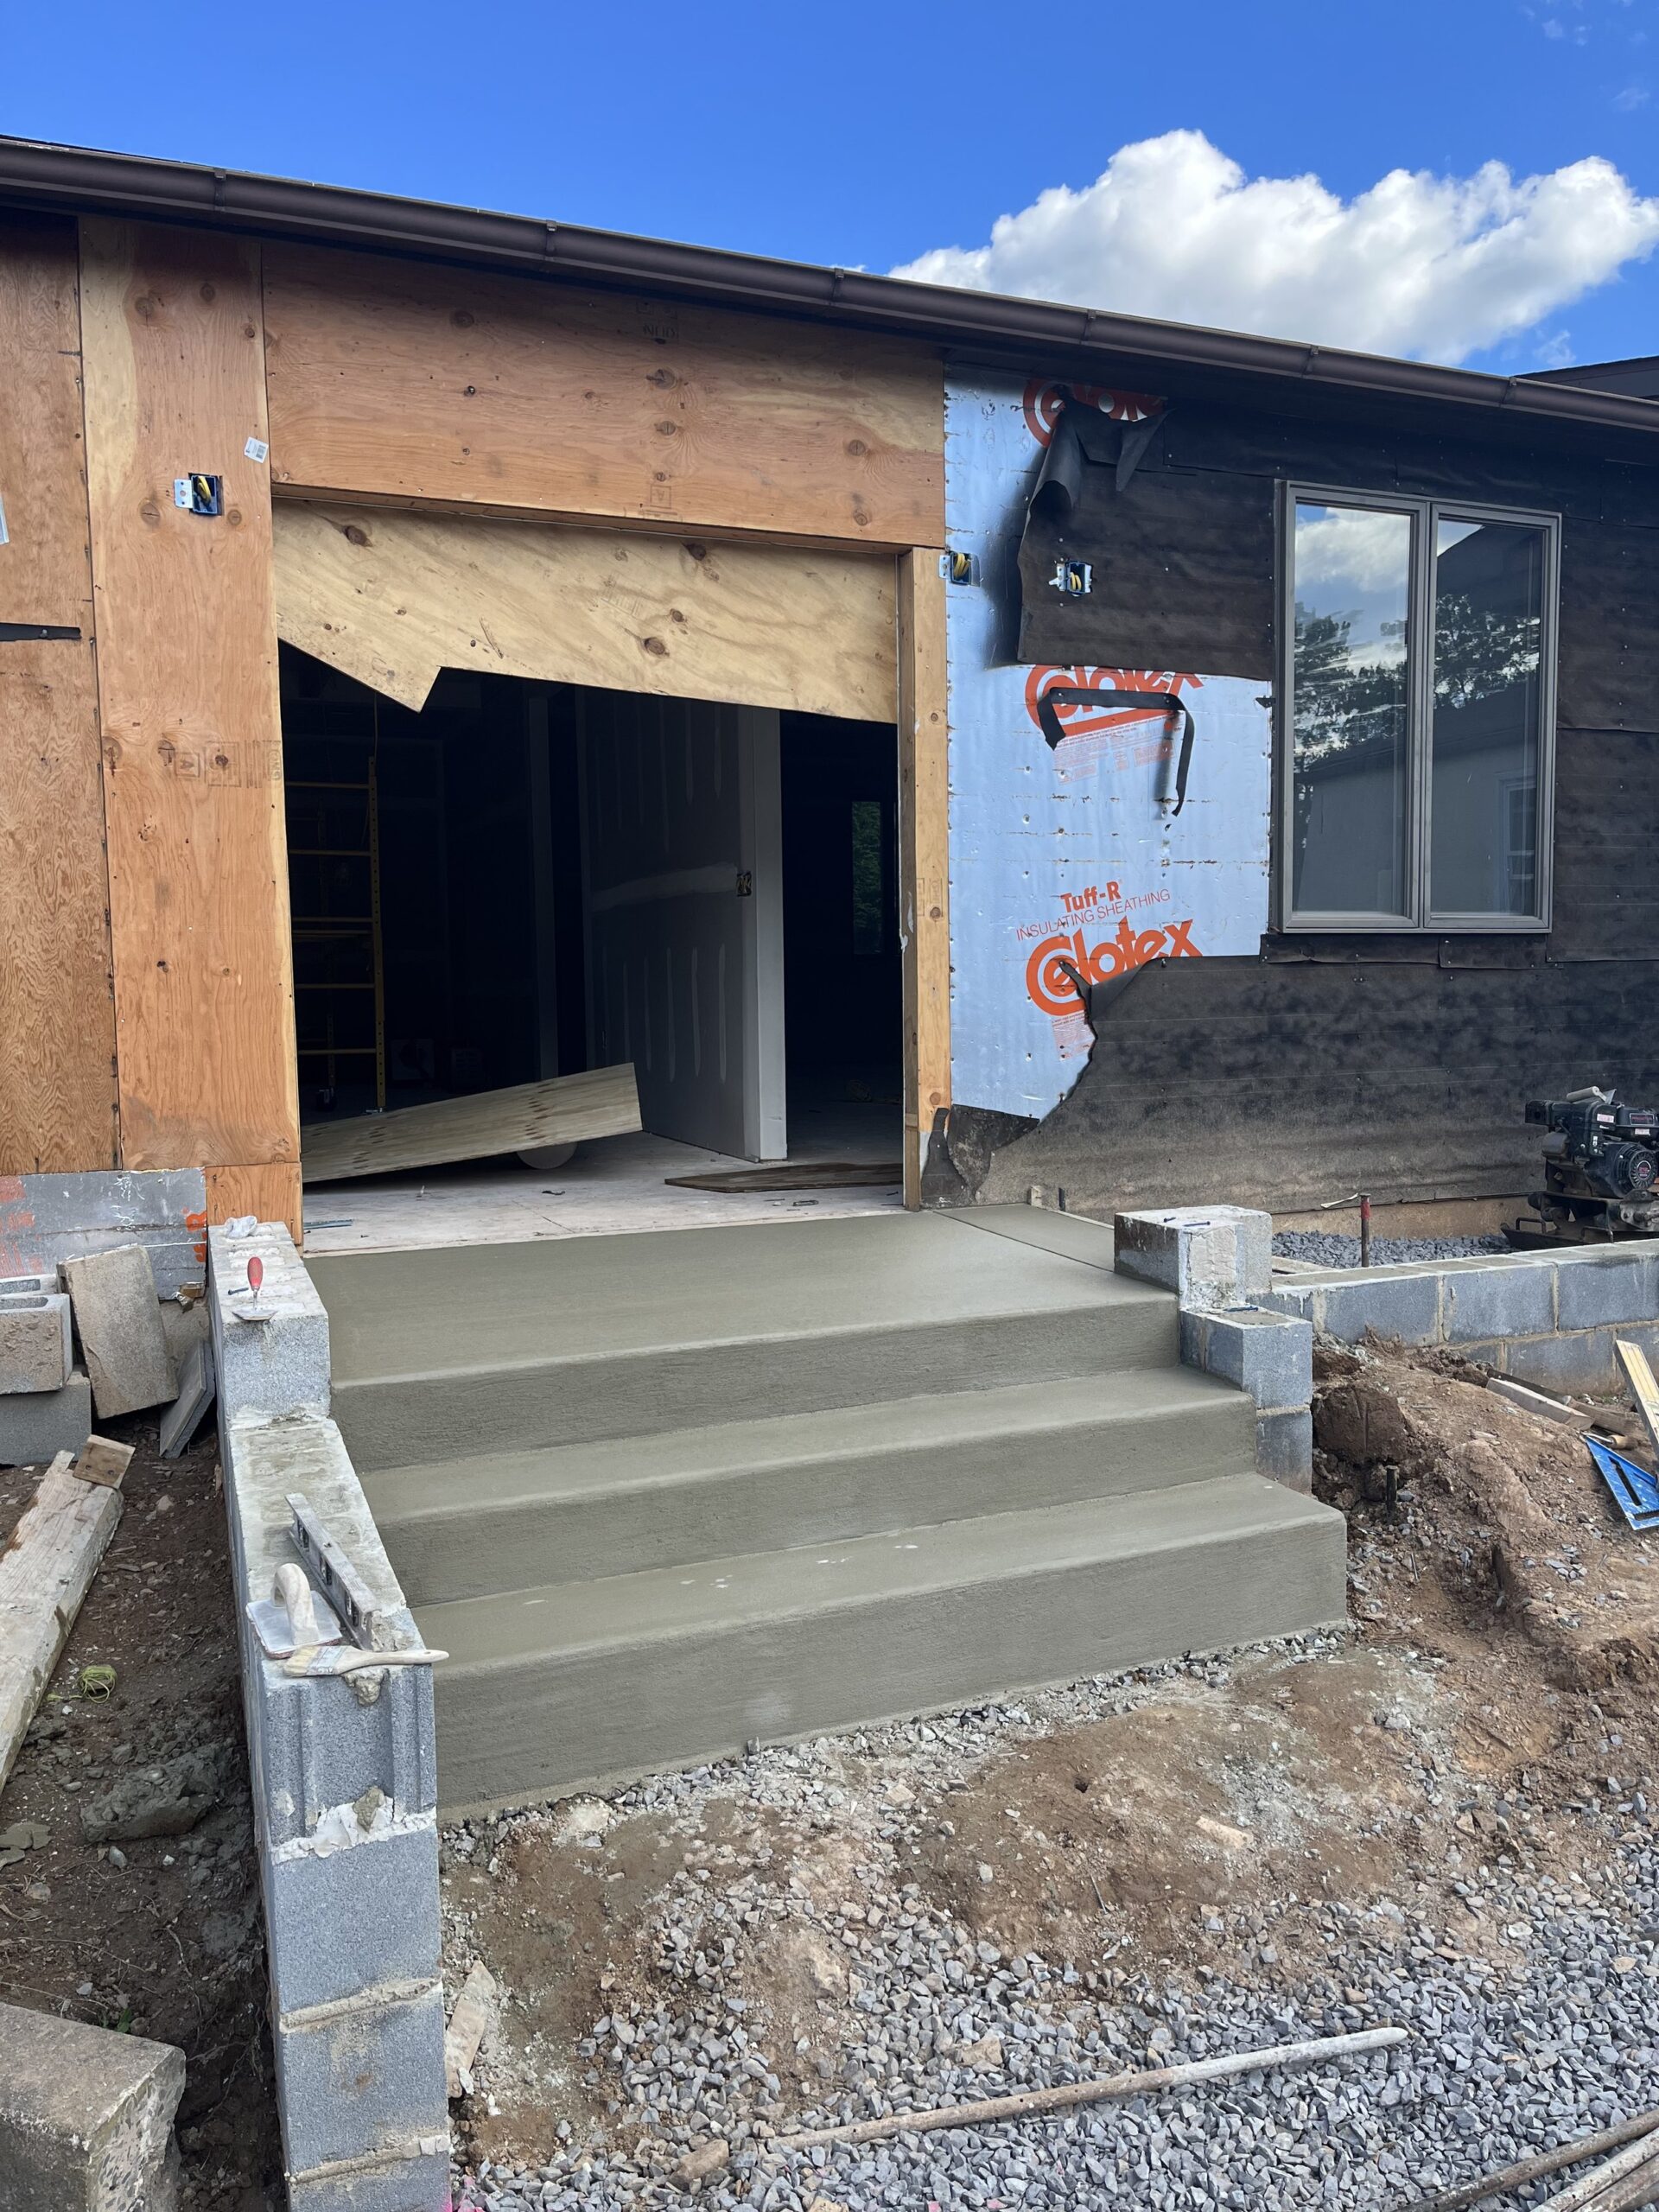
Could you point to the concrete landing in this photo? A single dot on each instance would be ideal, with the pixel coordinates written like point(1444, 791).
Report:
point(661, 1495)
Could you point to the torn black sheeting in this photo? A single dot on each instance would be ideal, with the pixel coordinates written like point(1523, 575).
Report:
point(1181, 562)
point(18, 633)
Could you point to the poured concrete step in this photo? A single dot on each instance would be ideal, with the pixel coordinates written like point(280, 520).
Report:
point(469, 1527)
point(505, 1347)
point(549, 1689)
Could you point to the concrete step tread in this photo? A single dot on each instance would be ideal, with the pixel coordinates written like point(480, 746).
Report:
point(660, 1604)
point(464, 1309)
point(1022, 1412)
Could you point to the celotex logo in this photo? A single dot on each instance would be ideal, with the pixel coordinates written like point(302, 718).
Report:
point(1043, 401)
point(1054, 960)
point(1083, 716)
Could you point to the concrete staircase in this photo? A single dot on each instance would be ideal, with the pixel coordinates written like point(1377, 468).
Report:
point(660, 1495)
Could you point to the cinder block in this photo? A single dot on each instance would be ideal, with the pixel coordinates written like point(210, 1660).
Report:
point(86, 2116)
point(313, 1746)
point(1285, 1297)
point(29, 1286)
point(417, 2183)
point(1510, 1298)
point(361, 2077)
point(276, 1366)
point(1404, 1306)
point(36, 1341)
point(119, 1323)
point(1270, 1355)
point(36, 1425)
point(1576, 1360)
point(1618, 1285)
point(1284, 1448)
point(1213, 1257)
point(338, 1922)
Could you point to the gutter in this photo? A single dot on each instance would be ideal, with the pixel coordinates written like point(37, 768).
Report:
point(80, 180)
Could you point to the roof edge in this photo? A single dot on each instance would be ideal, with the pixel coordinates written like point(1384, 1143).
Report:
point(82, 179)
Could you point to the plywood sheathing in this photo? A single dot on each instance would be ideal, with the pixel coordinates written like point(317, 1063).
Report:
point(57, 1063)
point(391, 598)
point(395, 380)
point(172, 334)
point(925, 834)
point(269, 1193)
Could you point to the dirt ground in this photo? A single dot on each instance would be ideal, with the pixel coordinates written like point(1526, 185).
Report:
point(158, 1936)
point(1258, 1818)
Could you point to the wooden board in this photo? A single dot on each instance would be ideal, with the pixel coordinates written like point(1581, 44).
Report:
point(45, 1571)
point(391, 598)
point(424, 382)
point(269, 1193)
point(1639, 1375)
point(188, 680)
point(563, 1109)
point(924, 854)
point(57, 1067)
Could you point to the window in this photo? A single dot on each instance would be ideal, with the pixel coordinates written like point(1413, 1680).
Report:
point(1418, 714)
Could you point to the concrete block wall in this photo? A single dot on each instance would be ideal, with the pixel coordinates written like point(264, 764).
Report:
point(1547, 1318)
point(344, 1775)
point(1218, 1261)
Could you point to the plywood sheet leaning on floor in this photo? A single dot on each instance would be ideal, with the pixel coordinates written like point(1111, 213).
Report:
point(563, 1109)
point(391, 598)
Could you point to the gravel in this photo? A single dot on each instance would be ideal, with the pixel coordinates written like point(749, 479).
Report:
point(1319, 1248)
point(1556, 2035)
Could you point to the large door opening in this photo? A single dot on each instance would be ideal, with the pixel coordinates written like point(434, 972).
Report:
point(524, 880)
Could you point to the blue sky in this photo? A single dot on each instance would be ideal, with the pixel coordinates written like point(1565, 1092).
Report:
point(869, 135)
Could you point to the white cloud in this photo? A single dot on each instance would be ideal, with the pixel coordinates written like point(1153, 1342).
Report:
point(1436, 267)
point(1352, 546)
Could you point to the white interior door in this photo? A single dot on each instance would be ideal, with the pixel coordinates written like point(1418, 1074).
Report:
point(683, 844)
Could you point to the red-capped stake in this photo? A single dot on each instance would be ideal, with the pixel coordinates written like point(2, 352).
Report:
point(255, 1275)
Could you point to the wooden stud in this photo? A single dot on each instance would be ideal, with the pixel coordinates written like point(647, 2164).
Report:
point(391, 598)
point(192, 733)
point(269, 1193)
point(57, 1063)
point(924, 854)
point(423, 382)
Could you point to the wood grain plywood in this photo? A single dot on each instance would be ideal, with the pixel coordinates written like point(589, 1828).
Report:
point(408, 381)
point(188, 702)
point(57, 1030)
point(271, 1193)
point(391, 598)
point(924, 860)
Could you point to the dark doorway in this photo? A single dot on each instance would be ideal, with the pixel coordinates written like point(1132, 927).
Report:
point(843, 976)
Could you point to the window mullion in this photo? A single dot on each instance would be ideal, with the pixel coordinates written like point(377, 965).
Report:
point(1420, 707)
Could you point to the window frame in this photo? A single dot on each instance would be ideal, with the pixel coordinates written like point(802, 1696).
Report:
point(1427, 511)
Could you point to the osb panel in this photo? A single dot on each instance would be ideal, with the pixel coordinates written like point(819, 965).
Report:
point(57, 1075)
point(408, 380)
point(188, 684)
point(391, 598)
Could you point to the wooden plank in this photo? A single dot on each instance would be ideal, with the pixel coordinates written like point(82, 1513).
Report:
point(269, 1193)
point(188, 686)
point(391, 597)
point(45, 1571)
point(424, 382)
point(1639, 1375)
point(924, 854)
point(57, 1070)
point(563, 1109)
